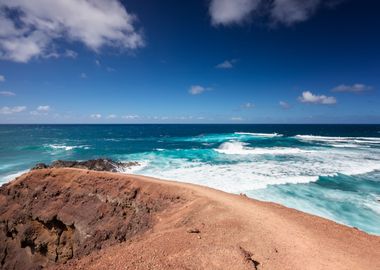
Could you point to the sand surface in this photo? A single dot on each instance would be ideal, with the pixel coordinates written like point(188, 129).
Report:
point(209, 229)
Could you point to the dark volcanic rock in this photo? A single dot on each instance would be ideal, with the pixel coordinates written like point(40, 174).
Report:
point(50, 216)
point(93, 164)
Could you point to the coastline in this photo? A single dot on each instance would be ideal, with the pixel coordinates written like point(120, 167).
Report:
point(196, 227)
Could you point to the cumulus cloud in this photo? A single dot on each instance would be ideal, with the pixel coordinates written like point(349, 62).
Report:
point(7, 93)
point(284, 104)
point(29, 28)
point(70, 54)
point(112, 116)
point(225, 12)
point(130, 117)
point(227, 64)
point(43, 108)
point(198, 89)
point(2, 78)
point(96, 116)
point(248, 105)
point(355, 88)
point(287, 12)
point(292, 11)
point(309, 97)
point(11, 110)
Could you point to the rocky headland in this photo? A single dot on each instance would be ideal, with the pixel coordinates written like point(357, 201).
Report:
point(84, 218)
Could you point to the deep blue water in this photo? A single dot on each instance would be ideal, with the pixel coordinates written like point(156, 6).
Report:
point(327, 170)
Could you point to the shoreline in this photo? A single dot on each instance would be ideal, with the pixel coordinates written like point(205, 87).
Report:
point(189, 226)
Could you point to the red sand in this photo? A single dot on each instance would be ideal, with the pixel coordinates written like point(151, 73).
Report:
point(196, 227)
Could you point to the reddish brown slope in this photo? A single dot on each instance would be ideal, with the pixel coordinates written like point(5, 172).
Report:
point(186, 226)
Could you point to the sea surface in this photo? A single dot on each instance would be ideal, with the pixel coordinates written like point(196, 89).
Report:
point(331, 171)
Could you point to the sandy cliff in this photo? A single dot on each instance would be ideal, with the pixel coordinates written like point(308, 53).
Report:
point(66, 218)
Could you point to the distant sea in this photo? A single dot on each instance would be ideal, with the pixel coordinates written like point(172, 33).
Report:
point(331, 171)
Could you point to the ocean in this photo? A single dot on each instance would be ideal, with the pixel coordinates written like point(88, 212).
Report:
point(332, 171)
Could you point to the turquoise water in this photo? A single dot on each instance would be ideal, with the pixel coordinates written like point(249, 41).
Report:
point(328, 170)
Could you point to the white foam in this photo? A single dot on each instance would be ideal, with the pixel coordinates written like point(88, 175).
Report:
point(230, 178)
point(270, 135)
point(12, 176)
point(346, 145)
point(134, 168)
point(244, 168)
point(240, 148)
point(66, 147)
point(338, 139)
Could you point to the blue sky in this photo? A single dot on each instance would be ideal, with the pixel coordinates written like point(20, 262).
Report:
point(218, 61)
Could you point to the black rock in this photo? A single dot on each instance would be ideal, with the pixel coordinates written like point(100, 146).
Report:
point(100, 164)
point(39, 166)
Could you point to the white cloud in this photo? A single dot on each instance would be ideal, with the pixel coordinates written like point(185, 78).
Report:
point(96, 116)
point(284, 104)
point(248, 105)
point(29, 28)
point(292, 11)
point(112, 116)
point(130, 117)
point(236, 118)
point(70, 54)
point(43, 108)
point(227, 64)
point(288, 12)
point(7, 93)
point(198, 89)
point(11, 110)
point(2, 78)
point(224, 12)
point(308, 97)
point(83, 75)
point(97, 62)
point(355, 88)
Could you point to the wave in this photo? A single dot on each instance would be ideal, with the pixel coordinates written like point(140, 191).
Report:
point(343, 142)
point(12, 176)
point(233, 178)
point(240, 148)
point(342, 139)
point(222, 137)
point(134, 168)
point(66, 147)
point(269, 135)
point(346, 145)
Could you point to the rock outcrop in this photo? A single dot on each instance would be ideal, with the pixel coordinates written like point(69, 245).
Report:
point(68, 218)
point(100, 164)
point(50, 216)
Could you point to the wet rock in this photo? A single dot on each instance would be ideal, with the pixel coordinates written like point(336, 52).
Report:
point(39, 166)
point(100, 164)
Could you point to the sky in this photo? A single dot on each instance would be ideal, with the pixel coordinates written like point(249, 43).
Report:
point(191, 61)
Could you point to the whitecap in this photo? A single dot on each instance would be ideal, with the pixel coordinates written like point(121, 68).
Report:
point(269, 135)
point(66, 147)
point(133, 169)
point(12, 176)
point(240, 148)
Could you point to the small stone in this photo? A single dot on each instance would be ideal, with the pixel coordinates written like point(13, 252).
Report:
point(194, 230)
